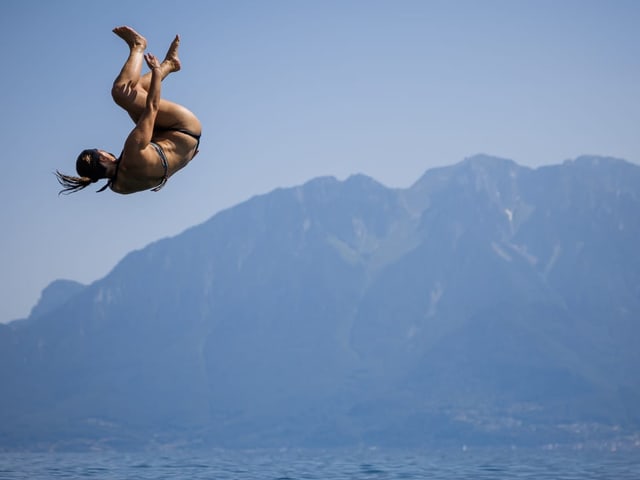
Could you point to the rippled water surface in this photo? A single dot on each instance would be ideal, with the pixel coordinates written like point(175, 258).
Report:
point(326, 465)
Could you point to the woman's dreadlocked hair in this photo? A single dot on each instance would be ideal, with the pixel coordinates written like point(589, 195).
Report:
point(88, 167)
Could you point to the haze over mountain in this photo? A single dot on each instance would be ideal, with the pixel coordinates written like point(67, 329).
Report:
point(487, 303)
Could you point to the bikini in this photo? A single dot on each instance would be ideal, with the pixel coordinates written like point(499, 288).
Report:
point(165, 165)
point(161, 154)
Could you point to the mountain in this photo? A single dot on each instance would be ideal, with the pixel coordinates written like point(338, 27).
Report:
point(489, 303)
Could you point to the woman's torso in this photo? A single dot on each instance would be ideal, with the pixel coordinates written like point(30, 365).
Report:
point(146, 170)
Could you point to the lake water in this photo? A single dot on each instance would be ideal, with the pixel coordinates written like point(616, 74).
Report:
point(363, 464)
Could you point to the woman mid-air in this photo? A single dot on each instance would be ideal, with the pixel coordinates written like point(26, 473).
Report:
point(166, 136)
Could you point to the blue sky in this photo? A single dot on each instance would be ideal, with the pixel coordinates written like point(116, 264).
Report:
point(288, 91)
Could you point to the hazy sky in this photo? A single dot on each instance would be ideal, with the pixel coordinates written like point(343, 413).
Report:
point(288, 91)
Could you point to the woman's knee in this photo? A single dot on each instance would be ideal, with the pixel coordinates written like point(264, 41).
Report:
point(125, 95)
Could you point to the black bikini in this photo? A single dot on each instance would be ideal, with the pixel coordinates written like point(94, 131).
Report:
point(163, 158)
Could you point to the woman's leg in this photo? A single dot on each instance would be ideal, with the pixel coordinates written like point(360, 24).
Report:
point(129, 89)
point(124, 86)
point(170, 64)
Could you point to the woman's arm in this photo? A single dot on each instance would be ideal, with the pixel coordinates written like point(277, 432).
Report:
point(140, 136)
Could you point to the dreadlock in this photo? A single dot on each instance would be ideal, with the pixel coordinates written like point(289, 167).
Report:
point(72, 184)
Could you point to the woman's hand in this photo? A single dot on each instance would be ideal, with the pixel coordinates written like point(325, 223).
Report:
point(152, 61)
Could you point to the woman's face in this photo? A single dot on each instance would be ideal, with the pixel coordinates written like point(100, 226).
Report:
point(105, 156)
point(106, 159)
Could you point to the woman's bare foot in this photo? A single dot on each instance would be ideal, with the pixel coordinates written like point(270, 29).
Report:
point(133, 38)
point(171, 58)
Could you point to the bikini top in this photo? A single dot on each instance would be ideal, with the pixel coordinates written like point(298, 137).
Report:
point(165, 165)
